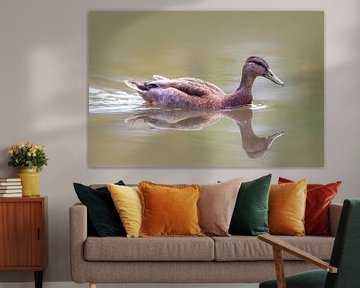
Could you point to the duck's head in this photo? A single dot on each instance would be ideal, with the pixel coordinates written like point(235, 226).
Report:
point(257, 66)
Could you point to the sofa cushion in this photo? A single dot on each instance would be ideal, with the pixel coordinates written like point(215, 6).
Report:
point(216, 206)
point(149, 249)
point(127, 201)
point(102, 216)
point(318, 199)
point(287, 204)
point(250, 215)
point(245, 248)
point(169, 210)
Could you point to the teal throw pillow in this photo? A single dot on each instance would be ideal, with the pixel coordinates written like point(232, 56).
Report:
point(103, 219)
point(250, 216)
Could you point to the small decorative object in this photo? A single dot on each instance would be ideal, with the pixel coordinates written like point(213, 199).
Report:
point(30, 158)
point(10, 187)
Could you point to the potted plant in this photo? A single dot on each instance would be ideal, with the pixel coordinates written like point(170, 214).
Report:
point(30, 158)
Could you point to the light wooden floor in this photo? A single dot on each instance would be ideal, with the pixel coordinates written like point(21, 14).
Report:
point(74, 285)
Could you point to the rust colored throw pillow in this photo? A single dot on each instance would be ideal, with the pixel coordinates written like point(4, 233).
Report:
point(216, 206)
point(319, 197)
point(169, 210)
point(287, 204)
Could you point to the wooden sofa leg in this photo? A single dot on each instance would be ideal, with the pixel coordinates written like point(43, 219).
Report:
point(92, 285)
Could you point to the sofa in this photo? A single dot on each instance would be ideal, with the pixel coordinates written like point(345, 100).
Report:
point(233, 259)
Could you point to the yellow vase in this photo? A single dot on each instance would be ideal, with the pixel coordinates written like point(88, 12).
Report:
point(30, 181)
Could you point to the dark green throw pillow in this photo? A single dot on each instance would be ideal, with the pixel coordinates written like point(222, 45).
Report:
point(250, 216)
point(103, 218)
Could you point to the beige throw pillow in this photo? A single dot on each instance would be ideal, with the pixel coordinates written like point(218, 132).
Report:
point(216, 206)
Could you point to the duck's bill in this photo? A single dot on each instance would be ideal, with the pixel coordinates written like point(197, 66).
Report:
point(271, 76)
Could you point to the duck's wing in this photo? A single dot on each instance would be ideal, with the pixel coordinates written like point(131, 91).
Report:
point(189, 86)
point(190, 79)
point(202, 82)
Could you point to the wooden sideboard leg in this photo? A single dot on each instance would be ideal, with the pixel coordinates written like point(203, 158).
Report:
point(38, 275)
point(92, 285)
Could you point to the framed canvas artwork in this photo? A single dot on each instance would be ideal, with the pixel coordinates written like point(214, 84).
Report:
point(205, 89)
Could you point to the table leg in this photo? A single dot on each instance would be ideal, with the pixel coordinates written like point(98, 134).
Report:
point(38, 279)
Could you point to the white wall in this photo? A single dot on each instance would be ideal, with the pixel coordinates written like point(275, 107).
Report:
point(43, 88)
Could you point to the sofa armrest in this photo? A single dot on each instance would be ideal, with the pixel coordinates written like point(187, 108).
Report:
point(78, 235)
point(334, 217)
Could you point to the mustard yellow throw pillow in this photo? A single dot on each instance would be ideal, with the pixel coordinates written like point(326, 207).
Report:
point(169, 210)
point(127, 201)
point(287, 204)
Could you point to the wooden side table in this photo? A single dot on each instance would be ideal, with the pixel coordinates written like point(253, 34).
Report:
point(23, 235)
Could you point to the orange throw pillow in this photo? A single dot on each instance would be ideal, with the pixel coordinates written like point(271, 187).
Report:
point(169, 210)
point(287, 204)
point(318, 200)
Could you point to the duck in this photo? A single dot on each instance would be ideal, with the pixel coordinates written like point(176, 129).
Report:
point(194, 93)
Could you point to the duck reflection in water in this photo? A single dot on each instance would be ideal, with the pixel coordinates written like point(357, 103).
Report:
point(193, 120)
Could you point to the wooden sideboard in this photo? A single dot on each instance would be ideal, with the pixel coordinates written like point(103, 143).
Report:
point(23, 235)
